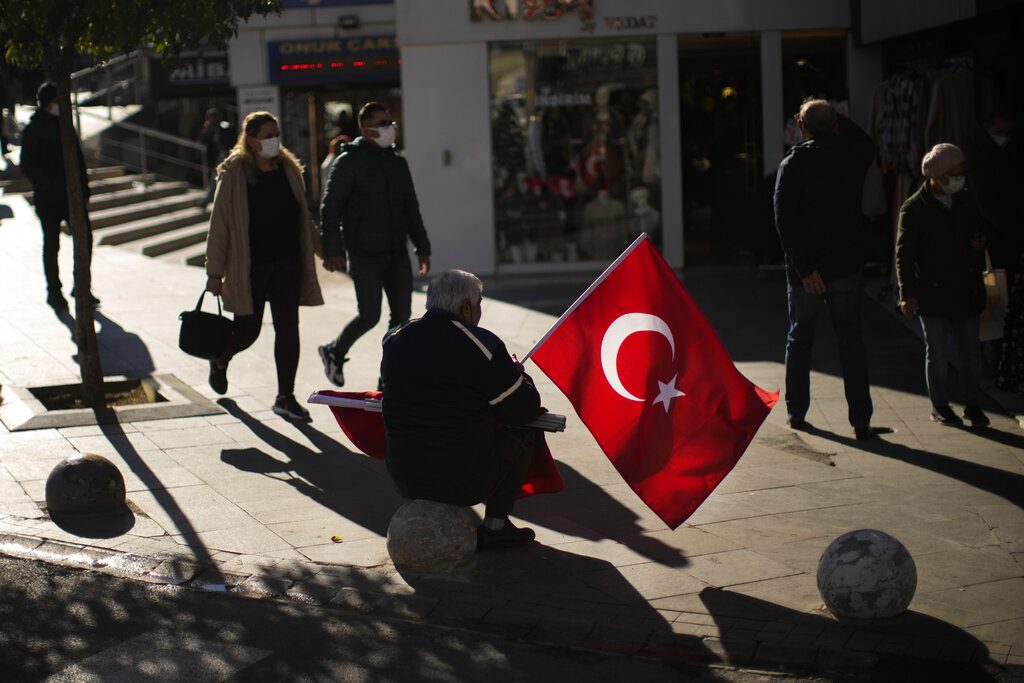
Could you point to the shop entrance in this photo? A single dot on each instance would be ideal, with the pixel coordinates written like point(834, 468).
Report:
point(312, 118)
point(727, 216)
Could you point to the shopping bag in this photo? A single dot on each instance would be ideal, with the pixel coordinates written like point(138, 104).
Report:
point(997, 300)
point(204, 335)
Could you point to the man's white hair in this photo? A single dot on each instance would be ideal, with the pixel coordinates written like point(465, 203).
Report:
point(448, 290)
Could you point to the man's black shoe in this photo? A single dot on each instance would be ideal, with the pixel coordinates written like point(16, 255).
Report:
point(218, 378)
point(57, 301)
point(945, 416)
point(92, 300)
point(977, 417)
point(867, 433)
point(506, 537)
point(798, 425)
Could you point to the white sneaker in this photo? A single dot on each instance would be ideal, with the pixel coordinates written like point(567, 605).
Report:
point(332, 368)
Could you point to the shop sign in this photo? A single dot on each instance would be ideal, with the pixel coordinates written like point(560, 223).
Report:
point(328, 60)
point(632, 55)
point(575, 99)
point(630, 23)
point(258, 98)
point(190, 75)
point(530, 10)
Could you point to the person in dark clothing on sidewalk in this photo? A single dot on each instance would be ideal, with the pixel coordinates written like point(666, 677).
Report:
point(369, 212)
point(217, 138)
point(939, 265)
point(818, 194)
point(455, 403)
point(42, 162)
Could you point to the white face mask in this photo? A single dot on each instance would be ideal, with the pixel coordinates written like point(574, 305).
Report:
point(53, 108)
point(269, 147)
point(955, 184)
point(1000, 140)
point(385, 136)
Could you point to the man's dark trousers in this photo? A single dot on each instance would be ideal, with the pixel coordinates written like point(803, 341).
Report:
point(844, 299)
point(50, 219)
point(373, 272)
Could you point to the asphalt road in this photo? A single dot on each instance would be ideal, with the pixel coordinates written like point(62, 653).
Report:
point(69, 625)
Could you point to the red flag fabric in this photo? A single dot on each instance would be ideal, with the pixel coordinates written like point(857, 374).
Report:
point(366, 431)
point(652, 382)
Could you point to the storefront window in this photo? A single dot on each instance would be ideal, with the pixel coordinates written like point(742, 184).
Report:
point(574, 134)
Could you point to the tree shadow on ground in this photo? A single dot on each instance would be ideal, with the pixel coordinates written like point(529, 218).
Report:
point(1000, 482)
point(351, 484)
point(910, 647)
point(121, 352)
point(586, 511)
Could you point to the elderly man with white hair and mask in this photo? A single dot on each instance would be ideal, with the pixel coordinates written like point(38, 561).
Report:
point(455, 402)
point(939, 265)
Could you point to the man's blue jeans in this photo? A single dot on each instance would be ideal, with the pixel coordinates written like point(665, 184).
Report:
point(844, 299)
point(963, 333)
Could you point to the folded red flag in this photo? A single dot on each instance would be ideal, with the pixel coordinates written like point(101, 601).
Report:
point(366, 431)
point(652, 382)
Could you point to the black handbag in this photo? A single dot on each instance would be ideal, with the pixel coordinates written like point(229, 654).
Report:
point(204, 335)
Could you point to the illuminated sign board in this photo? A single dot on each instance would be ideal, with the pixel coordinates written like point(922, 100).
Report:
point(330, 60)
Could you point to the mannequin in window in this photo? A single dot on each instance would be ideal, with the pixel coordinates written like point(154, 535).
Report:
point(642, 139)
point(643, 216)
point(604, 227)
point(607, 141)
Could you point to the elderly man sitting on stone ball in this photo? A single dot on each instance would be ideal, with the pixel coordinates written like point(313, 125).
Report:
point(454, 404)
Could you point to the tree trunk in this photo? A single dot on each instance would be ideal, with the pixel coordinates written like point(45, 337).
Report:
point(85, 326)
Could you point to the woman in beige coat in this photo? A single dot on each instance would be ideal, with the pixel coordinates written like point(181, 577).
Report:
point(260, 250)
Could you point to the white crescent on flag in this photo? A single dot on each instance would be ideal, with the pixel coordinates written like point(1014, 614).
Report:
point(616, 334)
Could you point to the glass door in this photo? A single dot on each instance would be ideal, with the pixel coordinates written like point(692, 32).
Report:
point(726, 218)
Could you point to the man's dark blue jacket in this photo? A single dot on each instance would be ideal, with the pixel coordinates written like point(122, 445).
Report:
point(446, 386)
point(818, 195)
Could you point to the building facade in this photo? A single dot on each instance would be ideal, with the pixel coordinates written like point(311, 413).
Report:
point(544, 135)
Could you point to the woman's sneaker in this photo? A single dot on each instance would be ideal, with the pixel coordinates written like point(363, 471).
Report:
point(509, 536)
point(287, 406)
point(332, 368)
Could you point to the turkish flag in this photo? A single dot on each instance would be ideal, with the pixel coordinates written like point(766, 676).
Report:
point(652, 382)
point(366, 431)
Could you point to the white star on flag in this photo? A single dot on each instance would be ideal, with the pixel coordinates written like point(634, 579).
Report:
point(667, 392)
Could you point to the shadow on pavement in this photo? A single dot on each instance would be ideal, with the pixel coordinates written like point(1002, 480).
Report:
point(586, 511)
point(1008, 485)
point(910, 647)
point(121, 352)
point(110, 525)
point(163, 496)
point(351, 484)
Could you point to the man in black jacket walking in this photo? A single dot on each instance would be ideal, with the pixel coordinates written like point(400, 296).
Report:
point(454, 405)
point(42, 162)
point(368, 213)
point(817, 213)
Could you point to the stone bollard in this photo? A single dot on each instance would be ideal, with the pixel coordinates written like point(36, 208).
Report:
point(432, 537)
point(867, 574)
point(85, 484)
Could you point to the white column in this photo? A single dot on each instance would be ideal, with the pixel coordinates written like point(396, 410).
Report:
point(864, 72)
point(772, 117)
point(671, 150)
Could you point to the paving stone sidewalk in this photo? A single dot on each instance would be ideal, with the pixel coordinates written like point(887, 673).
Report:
point(243, 500)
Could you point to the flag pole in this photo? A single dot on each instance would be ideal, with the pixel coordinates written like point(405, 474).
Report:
point(591, 288)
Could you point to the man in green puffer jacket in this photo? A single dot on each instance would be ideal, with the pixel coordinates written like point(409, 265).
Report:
point(939, 266)
point(369, 211)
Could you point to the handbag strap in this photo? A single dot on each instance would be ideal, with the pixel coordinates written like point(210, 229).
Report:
point(199, 304)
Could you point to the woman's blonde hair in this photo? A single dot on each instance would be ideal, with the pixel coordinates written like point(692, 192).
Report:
point(251, 127)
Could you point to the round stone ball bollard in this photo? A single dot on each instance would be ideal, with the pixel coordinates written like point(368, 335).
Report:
point(85, 484)
point(867, 574)
point(432, 537)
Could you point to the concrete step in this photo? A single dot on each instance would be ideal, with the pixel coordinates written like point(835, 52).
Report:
point(115, 184)
point(173, 240)
point(102, 172)
point(152, 226)
point(154, 207)
point(136, 195)
point(194, 255)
